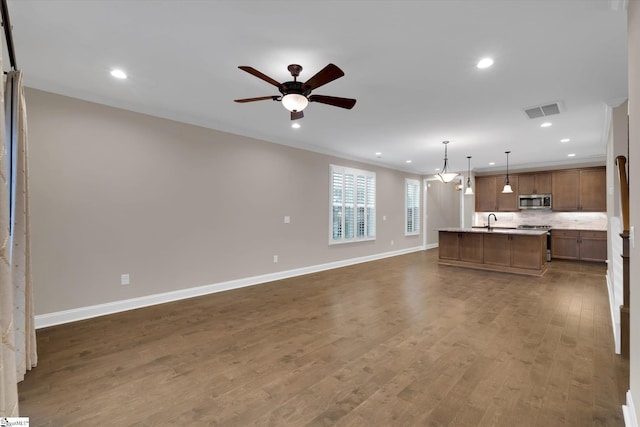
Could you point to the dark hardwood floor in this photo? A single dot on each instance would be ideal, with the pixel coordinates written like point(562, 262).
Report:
point(396, 342)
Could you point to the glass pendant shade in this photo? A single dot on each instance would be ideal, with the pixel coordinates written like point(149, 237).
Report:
point(295, 102)
point(507, 187)
point(468, 191)
point(445, 175)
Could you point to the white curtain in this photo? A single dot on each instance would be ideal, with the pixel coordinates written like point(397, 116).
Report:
point(23, 315)
point(18, 346)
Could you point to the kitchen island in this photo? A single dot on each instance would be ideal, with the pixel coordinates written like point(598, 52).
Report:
point(506, 250)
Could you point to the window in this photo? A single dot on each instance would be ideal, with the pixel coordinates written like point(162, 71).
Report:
point(412, 203)
point(353, 205)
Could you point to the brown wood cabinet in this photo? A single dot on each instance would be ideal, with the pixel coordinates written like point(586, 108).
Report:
point(470, 247)
point(497, 250)
point(486, 194)
point(512, 252)
point(579, 245)
point(507, 202)
point(534, 183)
point(448, 246)
point(579, 190)
point(489, 195)
point(571, 189)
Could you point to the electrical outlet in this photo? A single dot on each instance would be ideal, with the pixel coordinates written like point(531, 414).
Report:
point(275, 259)
point(287, 219)
point(124, 279)
point(392, 243)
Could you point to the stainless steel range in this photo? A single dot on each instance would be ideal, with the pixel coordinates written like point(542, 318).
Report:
point(540, 227)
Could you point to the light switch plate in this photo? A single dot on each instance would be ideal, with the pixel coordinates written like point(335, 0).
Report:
point(632, 238)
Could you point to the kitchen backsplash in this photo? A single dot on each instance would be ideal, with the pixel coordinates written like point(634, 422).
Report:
point(568, 220)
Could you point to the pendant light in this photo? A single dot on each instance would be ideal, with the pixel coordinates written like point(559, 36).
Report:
point(507, 186)
point(469, 190)
point(444, 175)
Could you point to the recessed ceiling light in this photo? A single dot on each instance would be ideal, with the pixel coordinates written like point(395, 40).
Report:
point(565, 140)
point(485, 63)
point(571, 155)
point(118, 74)
point(407, 161)
point(295, 125)
point(492, 163)
point(437, 169)
point(545, 125)
point(378, 154)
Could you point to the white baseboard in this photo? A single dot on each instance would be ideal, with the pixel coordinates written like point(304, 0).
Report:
point(614, 324)
point(629, 412)
point(431, 246)
point(73, 315)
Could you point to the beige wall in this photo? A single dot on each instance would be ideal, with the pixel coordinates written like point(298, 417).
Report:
point(634, 183)
point(443, 208)
point(176, 206)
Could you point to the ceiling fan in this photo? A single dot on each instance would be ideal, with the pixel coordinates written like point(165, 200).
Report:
point(296, 95)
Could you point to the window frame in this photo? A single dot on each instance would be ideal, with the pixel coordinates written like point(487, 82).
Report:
point(412, 186)
point(361, 187)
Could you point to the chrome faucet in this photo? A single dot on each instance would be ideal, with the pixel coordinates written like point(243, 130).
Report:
point(489, 220)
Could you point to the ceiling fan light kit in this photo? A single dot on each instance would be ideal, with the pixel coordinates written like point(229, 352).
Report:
point(295, 102)
point(295, 95)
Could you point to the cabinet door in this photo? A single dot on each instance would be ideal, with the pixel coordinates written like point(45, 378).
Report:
point(593, 190)
point(486, 194)
point(528, 251)
point(534, 183)
point(543, 183)
point(496, 249)
point(470, 247)
point(565, 188)
point(593, 245)
point(448, 245)
point(526, 184)
point(507, 202)
point(564, 244)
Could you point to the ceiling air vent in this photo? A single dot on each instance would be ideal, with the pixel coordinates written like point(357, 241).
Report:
point(543, 110)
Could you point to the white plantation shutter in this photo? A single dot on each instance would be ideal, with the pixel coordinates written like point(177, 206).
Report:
point(412, 204)
point(353, 205)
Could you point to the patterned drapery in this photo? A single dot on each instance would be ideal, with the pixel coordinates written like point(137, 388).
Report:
point(18, 345)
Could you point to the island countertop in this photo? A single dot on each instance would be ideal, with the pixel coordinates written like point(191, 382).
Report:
point(525, 232)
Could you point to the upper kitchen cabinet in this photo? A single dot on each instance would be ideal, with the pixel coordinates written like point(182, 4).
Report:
point(579, 190)
point(534, 183)
point(489, 196)
point(486, 194)
point(507, 202)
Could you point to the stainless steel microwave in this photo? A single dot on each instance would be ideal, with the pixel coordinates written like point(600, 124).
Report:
point(534, 201)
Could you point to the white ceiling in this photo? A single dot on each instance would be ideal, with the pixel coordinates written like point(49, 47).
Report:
point(410, 64)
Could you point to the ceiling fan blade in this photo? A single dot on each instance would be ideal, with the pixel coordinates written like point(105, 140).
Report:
point(259, 75)
point(324, 76)
point(295, 115)
point(262, 98)
point(347, 103)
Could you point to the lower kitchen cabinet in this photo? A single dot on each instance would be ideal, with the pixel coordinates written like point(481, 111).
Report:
point(497, 250)
point(471, 247)
point(579, 245)
point(510, 252)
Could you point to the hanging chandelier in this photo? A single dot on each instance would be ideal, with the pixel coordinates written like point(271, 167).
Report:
point(507, 187)
point(444, 175)
point(469, 190)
